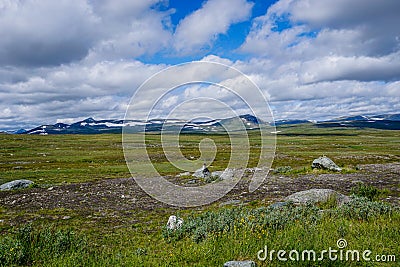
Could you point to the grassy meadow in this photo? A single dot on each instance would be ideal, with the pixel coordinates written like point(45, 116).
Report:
point(211, 234)
point(55, 159)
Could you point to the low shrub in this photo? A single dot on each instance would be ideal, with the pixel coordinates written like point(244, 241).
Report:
point(271, 218)
point(283, 169)
point(26, 245)
point(361, 208)
point(226, 220)
point(368, 191)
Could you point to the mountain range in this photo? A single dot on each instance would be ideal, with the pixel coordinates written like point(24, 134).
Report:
point(384, 121)
point(92, 126)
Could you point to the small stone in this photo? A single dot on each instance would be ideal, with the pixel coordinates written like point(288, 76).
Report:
point(203, 172)
point(66, 217)
point(174, 222)
point(240, 264)
point(50, 188)
point(183, 174)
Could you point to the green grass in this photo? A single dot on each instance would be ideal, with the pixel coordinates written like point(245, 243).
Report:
point(298, 145)
point(212, 234)
point(61, 158)
point(212, 237)
point(368, 191)
point(55, 159)
point(26, 246)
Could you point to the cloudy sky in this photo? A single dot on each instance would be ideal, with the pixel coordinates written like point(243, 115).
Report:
point(67, 60)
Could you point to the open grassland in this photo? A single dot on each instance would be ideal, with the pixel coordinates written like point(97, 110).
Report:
point(55, 159)
point(84, 214)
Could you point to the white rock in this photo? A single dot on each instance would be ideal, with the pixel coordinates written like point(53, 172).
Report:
point(240, 264)
point(183, 174)
point(16, 184)
point(325, 163)
point(174, 222)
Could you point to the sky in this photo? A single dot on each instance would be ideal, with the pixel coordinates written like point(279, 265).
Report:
point(66, 60)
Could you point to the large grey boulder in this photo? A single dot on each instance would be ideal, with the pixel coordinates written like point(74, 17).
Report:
point(325, 163)
point(317, 195)
point(16, 184)
point(239, 264)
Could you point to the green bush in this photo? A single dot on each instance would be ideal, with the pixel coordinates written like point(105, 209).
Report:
point(368, 191)
point(226, 220)
point(270, 218)
point(283, 169)
point(26, 246)
point(361, 208)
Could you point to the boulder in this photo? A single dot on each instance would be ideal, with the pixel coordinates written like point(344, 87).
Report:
point(316, 195)
point(200, 173)
point(224, 175)
point(325, 163)
point(240, 264)
point(16, 184)
point(174, 222)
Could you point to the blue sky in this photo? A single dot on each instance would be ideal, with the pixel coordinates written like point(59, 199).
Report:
point(225, 45)
point(313, 59)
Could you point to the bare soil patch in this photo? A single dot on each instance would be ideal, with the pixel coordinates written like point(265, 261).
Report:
point(123, 194)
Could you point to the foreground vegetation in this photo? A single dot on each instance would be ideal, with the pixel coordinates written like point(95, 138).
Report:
point(210, 235)
point(215, 236)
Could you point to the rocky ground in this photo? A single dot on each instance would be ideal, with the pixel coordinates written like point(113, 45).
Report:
point(123, 195)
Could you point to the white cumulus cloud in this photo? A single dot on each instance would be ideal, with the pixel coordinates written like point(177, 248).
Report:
point(201, 28)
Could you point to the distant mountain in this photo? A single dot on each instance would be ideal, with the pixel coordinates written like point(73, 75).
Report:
point(20, 131)
point(390, 117)
point(87, 126)
point(384, 121)
point(92, 126)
